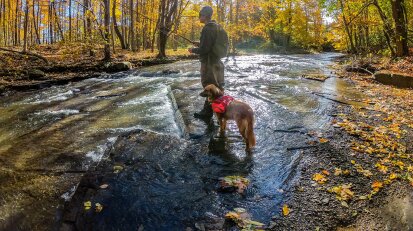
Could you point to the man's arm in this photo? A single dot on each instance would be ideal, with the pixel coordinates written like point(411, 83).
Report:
point(206, 43)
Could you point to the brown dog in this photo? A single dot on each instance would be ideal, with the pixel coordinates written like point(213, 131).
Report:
point(226, 108)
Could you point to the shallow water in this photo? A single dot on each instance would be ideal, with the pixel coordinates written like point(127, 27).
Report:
point(70, 128)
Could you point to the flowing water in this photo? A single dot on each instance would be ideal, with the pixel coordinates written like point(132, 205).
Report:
point(170, 179)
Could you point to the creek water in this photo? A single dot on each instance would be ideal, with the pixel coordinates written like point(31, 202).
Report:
point(69, 128)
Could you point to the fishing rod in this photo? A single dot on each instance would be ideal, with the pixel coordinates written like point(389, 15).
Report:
point(145, 16)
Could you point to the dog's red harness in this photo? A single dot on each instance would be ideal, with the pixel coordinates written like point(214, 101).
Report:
point(219, 105)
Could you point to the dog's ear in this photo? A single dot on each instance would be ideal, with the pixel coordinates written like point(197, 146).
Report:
point(218, 91)
point(214, 90)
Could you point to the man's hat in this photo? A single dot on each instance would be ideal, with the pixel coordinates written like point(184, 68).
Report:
point(206, 11)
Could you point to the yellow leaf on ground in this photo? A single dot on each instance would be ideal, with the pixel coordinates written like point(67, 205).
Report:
point(323, 140)
point(319, 178)
point(338, 171)
point(377, 185)
point(325, 172)
point(343, 192)
point(393, 176)
point(286, 210)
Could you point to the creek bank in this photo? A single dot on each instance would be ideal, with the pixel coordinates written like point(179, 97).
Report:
point(396, 73)
point(41, 76)
point(380, 192)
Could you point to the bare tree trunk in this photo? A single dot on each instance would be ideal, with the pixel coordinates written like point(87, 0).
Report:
point(106, 32)
point(88, 23)
point(50, 18)
point(386, 27)
point(346, 27)
point(70, 20)
point(400, 39)
point(16, 25)
point(26, 23)
point(132, 27)
point(115, 26)
point(59, 27)
point(35, 25)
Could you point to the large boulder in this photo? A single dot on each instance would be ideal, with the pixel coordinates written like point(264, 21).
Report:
point(117, 66)
point(395, 79)
point(35, 74)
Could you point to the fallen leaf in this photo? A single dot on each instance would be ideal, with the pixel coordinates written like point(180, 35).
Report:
point(232, 216)
point(238, 182)
point(98, 207)
point(325, 172)
point(338, 172)
point(393, 176)
point(285, 210)
point(117, 168)
point(103, 186)
point(323, 140)
point(343, 203)
point(377, 185)
point(319, 178)
point(343, 192)
point(87, 205)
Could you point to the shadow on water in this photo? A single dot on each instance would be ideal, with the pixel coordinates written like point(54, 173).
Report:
point(169, 180)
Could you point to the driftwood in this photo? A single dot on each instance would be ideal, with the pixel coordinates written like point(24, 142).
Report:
point(26, 53)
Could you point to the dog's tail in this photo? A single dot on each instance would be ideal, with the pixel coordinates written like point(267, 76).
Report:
point(249, 132)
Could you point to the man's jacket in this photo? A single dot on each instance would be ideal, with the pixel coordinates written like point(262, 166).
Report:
point(206, 43)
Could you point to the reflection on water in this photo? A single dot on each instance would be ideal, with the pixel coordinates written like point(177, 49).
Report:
point(72, 126)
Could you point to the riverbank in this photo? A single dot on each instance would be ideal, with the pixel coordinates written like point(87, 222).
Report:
point(64, 64)
point(360, 176)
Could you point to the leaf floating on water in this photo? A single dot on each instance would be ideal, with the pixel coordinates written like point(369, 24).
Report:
point(232, 216)
point(285, 210)
point(117, 168)
point(87, 205)
point(238, 182)
point(242, 219)
point(104, 186)
point(98, 207)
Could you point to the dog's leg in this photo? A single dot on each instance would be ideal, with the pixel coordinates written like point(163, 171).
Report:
point(223, 126)
point(242, 125)
point(222, 123)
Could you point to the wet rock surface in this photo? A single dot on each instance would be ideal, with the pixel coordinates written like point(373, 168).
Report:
point(122, 130)
point(117, 66)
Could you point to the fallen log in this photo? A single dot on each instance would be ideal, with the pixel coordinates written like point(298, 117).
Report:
point(26, 53)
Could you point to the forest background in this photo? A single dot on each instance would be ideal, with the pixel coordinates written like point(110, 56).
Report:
point(354, 26)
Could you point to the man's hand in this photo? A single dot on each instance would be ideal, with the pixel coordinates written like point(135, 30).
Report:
point(196, 44)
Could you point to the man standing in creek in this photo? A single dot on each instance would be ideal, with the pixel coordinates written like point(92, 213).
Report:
point(212, 47)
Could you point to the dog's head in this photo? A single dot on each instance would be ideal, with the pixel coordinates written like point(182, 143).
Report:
point(213, 92)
